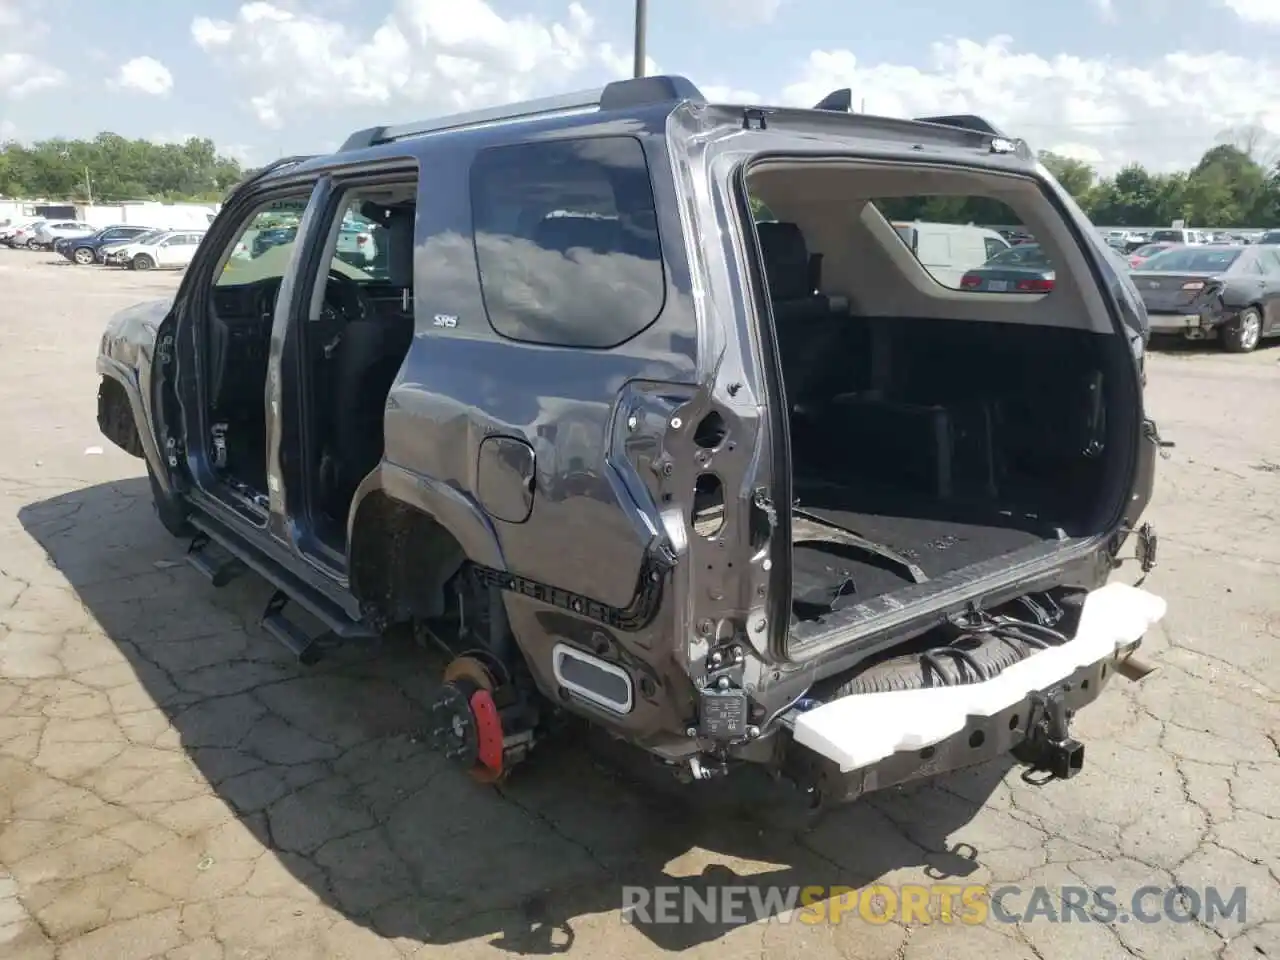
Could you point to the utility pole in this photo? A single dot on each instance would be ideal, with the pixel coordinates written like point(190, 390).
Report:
point(88, 186)
point(642, 16)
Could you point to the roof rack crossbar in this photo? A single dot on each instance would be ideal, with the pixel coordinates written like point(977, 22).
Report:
point(621, 94)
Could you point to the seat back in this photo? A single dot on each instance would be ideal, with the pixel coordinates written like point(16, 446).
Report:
point(807, 323)
point(365, 366)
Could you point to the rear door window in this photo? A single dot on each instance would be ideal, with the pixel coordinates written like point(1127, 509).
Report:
point(566, 241)
point(1270, 261)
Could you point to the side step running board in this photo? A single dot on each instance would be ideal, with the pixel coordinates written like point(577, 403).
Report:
point(307, 649)
point(218, 570)
point(319, 604)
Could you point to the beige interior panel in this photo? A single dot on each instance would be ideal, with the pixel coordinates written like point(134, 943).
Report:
point(866, 261)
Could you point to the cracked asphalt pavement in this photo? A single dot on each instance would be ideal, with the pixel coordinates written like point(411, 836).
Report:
point(173, 784)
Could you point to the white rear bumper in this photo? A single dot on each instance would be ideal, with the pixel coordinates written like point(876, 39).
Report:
point(859, 730)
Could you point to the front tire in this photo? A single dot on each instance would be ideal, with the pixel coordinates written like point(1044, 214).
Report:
point(141, 262)
point(1243, 335)
point(83, 256)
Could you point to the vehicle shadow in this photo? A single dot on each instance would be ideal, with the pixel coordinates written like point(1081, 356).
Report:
point(325, 766)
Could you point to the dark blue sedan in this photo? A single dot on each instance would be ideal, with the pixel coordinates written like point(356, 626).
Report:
point(84, 250)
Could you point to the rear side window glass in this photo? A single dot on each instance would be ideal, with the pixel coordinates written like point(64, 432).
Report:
point(566, 240)
point(958, 243)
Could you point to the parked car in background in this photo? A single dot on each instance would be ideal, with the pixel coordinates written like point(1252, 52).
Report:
point(171, 249)
point(49, 232)
point(1147, 250)
point(274, 237)
point(1270, 237)
point(1177, 235)
point(356, 244)
point(12, 227)
point(947, 250)
point(20, 235)
point(1021, 269)
point(109, 252)
point(1228, 294)
point(84, 250)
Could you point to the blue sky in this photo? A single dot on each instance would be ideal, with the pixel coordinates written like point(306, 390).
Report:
point(1106, 80)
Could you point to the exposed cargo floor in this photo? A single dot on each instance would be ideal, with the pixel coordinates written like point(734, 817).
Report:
point(937, 538)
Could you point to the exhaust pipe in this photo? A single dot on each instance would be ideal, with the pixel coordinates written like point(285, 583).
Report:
point(1130, 666)
point(1134, 668)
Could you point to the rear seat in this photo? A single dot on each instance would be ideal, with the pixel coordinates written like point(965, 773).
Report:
point(808, 324)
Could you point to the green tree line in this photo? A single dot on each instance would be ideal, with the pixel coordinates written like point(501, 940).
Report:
point(1229, 187)
point(110, 167)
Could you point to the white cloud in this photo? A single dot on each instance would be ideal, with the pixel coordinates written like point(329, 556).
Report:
point(448, 54)
point(719, 93)
point(22, 71)
point(1078, 151)
point(745, 12)
point(438, 56)
point(621, 64)
point(22, 74)
point(1262, 12)
point(1163, 113)
point(145, 75)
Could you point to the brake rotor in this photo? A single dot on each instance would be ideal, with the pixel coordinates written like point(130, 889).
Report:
point(466, 726)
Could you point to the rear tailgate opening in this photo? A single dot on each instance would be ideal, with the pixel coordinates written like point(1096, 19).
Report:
point(937, 433)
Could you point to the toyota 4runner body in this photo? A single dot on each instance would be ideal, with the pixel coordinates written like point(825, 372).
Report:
point(645, 412)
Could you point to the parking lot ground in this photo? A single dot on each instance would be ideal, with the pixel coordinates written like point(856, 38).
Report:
point(173, 785)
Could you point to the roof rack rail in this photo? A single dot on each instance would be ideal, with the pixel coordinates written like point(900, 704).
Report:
point(966, 121)
point(619, 95)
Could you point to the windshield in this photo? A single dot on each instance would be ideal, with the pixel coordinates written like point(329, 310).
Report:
point(1023, 255)
point(1169, 236)
point(1150, 250)
point(1271, 236)
point(148, 237)
point(1193, 260)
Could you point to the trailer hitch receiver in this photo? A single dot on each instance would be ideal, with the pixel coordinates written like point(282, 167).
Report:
point(1049, 746)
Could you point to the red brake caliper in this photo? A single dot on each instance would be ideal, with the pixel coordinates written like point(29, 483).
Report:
point(489, 736)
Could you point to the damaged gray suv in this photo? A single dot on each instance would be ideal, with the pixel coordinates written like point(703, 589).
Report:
point(655, 412)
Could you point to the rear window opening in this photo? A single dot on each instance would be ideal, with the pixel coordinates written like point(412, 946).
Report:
point(951, 398)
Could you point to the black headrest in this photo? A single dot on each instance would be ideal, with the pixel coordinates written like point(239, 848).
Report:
point(786, 260)
point(565, 233)
point(399, 240)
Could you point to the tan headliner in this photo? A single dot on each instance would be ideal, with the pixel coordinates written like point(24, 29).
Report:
point(866, 261)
